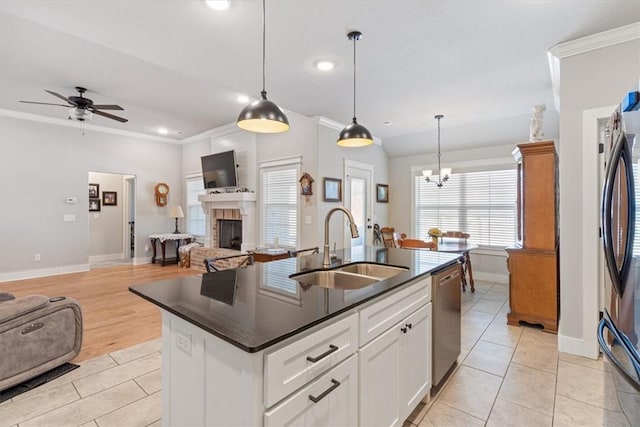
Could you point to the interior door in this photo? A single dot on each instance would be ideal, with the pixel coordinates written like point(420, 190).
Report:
point(357, 195)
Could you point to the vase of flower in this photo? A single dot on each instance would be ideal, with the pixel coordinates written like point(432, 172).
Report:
point(434, 233)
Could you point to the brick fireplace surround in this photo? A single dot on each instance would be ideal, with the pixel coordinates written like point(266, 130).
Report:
point(237, 206)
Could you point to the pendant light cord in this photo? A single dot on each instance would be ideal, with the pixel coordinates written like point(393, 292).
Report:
point(355, 38)
point(439, 167)
point(264, 36)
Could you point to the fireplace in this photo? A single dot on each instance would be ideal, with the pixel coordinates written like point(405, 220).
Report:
point(230, 234)
point(235, 207)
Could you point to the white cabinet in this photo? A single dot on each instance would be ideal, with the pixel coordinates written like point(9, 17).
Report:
point(331, 400)
point(395, 369)
point(366, 367)
point(415, 360)
point(379, 385)
point(294, 365)
point(380, 316)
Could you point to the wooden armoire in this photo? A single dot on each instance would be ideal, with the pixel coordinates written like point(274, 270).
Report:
point(534, 292)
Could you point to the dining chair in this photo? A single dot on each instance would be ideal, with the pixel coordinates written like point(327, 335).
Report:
point(388, 238)
point(303, 252)
point(416, 244)
point(466, 265)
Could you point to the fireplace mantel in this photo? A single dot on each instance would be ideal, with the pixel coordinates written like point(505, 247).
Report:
point(244, 202)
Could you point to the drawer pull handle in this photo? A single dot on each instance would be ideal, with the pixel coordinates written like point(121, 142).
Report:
point(335, 385)
point(404, 329)
point(332, 348)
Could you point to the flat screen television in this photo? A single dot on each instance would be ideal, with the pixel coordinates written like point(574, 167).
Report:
point(219, 170)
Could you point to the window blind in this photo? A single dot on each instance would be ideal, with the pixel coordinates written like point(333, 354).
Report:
point(481, 203)
point(195, 215)
point(280, 205)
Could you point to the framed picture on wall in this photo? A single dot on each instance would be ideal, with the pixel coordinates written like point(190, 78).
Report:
point(94, 205)
point(332, 190)
point(94, 191)
point(109, 198)
point(382, 193)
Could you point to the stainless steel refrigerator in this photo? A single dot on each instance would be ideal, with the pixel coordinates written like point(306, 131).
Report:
point(619, 329)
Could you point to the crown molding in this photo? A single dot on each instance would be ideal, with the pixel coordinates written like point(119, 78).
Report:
point(335, 125)
point(88, 126)
point(586, 44)
point(215, 132)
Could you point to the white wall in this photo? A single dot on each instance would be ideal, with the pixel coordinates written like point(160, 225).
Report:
point(590, 80)
point(331, 165)
point(321, 157)
point(41, 164)
point(105, 227)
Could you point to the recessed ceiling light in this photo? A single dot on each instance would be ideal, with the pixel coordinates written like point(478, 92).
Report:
point(325, 65)
point(163, 131)
point(218, 4)
point(388, 123)
point(242, 99)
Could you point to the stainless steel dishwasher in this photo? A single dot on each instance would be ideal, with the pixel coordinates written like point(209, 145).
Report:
point(446, 299)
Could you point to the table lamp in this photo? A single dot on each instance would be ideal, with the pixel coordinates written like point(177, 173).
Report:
point(176, 212)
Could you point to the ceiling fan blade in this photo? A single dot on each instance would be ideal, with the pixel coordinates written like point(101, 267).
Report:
point(110, 116)
point(46, 103)
point(107, 107)
point(59, 96)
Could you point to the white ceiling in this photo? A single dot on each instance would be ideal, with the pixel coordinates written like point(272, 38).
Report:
point(179, 64)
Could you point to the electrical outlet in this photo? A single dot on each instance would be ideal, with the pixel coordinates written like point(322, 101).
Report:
point(183, 342)
point(36, 257)
point(146, 248)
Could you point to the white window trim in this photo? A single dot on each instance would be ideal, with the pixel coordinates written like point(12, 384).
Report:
point(187, 177)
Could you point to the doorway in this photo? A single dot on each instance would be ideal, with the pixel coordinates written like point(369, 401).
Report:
point(111, 219)
point(593, 269)
point(358, 178)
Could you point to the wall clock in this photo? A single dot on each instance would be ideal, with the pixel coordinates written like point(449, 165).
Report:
point(162, 192)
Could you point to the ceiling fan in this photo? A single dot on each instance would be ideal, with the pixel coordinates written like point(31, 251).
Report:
point(82, 108)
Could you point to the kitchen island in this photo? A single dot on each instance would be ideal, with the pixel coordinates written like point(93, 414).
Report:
point(254, 347)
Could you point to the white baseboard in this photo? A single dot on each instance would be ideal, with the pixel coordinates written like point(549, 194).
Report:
point(491, 277)
point(105, 257)
point(574, 346)
point(32, 274)
point(142, 260)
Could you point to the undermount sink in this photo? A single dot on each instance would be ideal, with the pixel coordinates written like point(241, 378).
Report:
point(379, 271)
point(334, 279)
point(353, 276)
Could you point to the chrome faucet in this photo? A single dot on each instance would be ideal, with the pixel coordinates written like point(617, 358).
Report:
point(352, 224)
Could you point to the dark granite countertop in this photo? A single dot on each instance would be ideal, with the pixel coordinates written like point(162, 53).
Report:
point(258, 306)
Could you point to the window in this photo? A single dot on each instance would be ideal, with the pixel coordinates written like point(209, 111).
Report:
point(479, 202)
point(195, 221)
point(279, 193)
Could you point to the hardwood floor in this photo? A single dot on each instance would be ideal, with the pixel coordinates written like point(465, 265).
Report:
point(113, 317)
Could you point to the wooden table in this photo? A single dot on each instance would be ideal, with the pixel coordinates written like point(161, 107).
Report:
point(177, 238)
point(462, 248)
point(269, 254)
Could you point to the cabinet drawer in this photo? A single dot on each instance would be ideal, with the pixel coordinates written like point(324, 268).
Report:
point(337, 391)
point(291, 367)
point(382, 315)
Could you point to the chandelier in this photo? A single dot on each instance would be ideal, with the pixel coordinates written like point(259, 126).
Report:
point(443, 173)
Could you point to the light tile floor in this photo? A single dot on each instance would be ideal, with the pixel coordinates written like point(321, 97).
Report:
point(506, 376)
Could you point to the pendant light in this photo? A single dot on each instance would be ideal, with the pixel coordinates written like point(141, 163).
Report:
point(354, 135)
point(443, 174)
point(262, 115)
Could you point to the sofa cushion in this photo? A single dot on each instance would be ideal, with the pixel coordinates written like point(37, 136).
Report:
point(19, 306)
